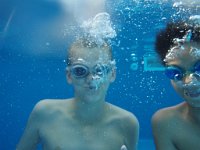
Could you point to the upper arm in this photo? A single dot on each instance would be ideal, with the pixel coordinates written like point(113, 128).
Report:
point(163, 131)
point(132, 132)
point(30, 137)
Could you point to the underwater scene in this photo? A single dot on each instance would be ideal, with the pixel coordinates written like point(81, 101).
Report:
point(35, 36)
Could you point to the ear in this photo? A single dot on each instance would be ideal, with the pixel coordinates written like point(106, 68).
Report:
point(68, 76)
point(113, 75)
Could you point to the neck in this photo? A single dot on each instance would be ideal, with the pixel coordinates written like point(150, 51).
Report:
point(89, 112)
point(194, 113)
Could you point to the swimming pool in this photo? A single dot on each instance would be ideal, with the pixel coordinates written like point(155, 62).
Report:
point(34, 37)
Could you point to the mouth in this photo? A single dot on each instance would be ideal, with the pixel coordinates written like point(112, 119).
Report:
point(93, 88)
point(193, 94)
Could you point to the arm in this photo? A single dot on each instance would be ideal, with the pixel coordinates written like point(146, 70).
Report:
point(163, 131)
point(30, 137)
point(132, 132)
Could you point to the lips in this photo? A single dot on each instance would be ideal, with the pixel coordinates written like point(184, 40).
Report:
point(92, 87)
point(193, 93)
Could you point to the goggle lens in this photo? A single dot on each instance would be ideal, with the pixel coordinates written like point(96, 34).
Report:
point(174, 73)
point(101, 70)
point(79, 71)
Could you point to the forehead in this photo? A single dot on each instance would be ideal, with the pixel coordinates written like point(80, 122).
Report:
point(186, 57)
point(96, 54)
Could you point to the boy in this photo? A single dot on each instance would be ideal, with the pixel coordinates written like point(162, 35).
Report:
point(178, 127)
point(85, 122)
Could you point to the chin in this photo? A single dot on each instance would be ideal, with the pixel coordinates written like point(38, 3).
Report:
point(195, 105)
point(91, 100)
point(90, 96)
point(194, 102)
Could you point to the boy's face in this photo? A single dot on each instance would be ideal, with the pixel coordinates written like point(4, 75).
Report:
point(91, 71)
point(184, 71)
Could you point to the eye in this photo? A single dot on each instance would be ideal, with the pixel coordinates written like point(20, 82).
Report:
point(99, 70)
point(174, 73)
point(79, 70)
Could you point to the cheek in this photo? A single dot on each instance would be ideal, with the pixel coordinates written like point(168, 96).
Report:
point(77, 82)
point(178, 89)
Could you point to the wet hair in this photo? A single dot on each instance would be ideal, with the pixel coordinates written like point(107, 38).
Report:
point(86, 43)
point(178, 29)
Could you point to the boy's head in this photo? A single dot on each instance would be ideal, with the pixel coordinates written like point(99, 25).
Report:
point(91, 68)
point(179, 49)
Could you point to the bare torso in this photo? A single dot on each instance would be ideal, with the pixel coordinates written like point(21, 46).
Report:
point(59, 130)
point(62, 132)
point(71, 136)
point(175, 130)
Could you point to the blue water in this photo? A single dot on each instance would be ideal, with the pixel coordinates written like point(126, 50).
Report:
point(34, 36)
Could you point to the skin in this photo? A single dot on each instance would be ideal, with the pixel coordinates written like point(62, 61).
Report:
point(178, 127)
point(85, 122)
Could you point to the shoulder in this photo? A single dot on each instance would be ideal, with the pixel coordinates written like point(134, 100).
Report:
point(168, 113)
point(167, 119)
point(162, 124)
point(46, 104)
point(128, 124)
point(164, 115)
point(124, 117)
point(48, 107)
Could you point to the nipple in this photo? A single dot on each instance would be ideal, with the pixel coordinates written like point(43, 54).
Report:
point(123, 147)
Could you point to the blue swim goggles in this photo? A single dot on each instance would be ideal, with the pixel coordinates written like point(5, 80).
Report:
point(176, 73)
point(81, 71)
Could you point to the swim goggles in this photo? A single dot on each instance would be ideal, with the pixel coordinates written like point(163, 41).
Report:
point(176, 73)
point(81, 71)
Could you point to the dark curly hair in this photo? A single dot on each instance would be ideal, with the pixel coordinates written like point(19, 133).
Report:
point(164, 38)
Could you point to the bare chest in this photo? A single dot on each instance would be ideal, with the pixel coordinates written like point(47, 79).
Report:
point(62, 136)
point(188, 137)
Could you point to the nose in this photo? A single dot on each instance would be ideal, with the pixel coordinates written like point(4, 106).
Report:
point(91, 77)
point(190, 78)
